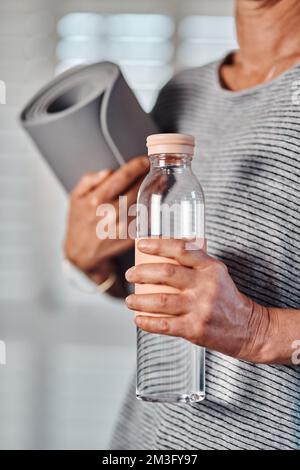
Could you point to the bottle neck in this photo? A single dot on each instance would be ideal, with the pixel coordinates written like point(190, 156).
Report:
point(176, 161)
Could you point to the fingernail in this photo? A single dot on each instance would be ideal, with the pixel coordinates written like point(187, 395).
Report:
point(138, 321)
point(129, 273)
point(146, 161)
point(128, 300)
point(102, 174)
point(145, 244)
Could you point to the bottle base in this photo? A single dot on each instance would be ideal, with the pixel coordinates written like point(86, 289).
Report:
point(170, 398)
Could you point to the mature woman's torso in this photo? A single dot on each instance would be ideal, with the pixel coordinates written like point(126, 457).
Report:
point(248, 162)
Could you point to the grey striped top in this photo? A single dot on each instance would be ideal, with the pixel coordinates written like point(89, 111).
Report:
point(248, 162)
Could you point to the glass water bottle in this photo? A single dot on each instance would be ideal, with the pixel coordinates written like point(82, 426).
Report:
point(170, 205)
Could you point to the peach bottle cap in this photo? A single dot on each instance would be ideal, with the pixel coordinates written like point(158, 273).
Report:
point(170, 143)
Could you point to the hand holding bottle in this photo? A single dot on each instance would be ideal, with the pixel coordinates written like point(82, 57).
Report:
point(208, 311)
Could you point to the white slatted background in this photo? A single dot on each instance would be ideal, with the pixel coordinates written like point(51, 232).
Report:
point(69, 355)
point(26, 54)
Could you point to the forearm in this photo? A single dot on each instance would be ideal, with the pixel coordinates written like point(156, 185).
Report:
point(281, 343)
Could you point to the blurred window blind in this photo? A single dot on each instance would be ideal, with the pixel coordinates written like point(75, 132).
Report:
point(25, 52)
point(203, 39)
point(143, 44)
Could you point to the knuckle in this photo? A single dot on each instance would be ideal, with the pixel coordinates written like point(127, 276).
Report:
point(199, 328)
point(206, 318)
point(181, 247)
point(220, 268)
point(163, 325)
point(212, 294)
point(169, 269)
point(193, 331)
point(163, 300)
point(191, 296)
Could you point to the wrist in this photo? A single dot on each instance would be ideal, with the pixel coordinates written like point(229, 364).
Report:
point(283, 337)
point(269, 349)
point(98, 276)
point(107, 276)
point(262, 332)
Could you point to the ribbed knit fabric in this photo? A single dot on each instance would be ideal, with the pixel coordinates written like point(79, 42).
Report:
point(248, 162)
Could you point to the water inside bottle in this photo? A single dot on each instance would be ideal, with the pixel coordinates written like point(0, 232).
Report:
point(169, 369)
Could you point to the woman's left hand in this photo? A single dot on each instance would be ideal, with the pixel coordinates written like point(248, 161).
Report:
point(208, 309)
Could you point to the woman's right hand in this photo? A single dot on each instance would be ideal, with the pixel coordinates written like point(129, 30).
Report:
point(82, 247)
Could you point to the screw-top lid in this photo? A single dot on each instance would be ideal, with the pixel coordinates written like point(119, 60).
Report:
point(171, 143)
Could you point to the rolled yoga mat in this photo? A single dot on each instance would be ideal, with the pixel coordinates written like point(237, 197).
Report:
point(87, 119)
